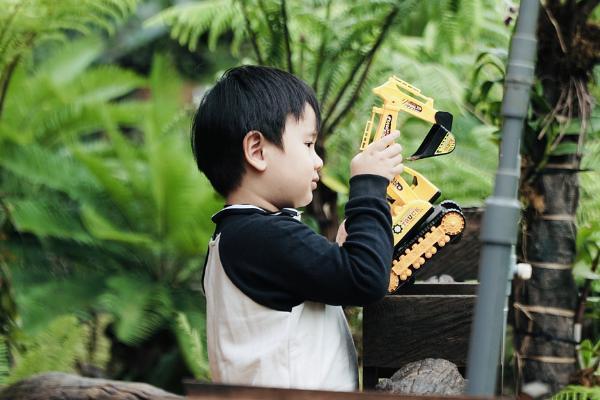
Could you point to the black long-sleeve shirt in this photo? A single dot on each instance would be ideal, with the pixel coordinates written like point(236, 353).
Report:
point(279, 262)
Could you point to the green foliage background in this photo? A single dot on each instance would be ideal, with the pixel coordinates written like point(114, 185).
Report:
point(104, 220)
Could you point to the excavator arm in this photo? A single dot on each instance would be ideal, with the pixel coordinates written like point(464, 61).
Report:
point(420, 229)
point(397, 96)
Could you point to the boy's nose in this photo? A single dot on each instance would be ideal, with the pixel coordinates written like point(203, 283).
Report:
point(318, 163)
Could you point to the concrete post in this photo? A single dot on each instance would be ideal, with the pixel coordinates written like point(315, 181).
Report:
point(500, 221)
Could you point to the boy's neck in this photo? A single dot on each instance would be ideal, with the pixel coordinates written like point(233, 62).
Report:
point(241, 196)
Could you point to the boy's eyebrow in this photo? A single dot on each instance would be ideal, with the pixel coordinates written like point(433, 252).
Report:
point(313, 134)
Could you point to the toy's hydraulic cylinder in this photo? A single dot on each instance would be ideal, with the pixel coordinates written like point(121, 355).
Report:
point(499, 227)
point(387, 121)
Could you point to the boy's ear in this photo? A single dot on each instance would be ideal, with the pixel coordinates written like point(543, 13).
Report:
point(253, 146)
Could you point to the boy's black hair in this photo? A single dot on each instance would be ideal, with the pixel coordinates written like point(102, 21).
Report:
point(244, 99)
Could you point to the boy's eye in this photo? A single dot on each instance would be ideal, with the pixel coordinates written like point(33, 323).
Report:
point(309, 144)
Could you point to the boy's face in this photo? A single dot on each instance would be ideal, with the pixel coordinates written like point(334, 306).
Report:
point(294, 171)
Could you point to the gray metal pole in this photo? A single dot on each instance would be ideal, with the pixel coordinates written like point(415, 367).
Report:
point(499, 226)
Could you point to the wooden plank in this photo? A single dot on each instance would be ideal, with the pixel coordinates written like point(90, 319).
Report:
point(421, 288)
point(405, 328)
point(370, 377)
point(206, 391)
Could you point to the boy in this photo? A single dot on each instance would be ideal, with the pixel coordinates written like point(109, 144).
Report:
point(274, 288)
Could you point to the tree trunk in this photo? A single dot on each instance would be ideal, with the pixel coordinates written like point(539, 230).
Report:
point(60, 386)
point(568, 50)
point(545, 305)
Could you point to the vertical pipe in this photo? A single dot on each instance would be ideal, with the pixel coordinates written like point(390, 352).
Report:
point(500, 221)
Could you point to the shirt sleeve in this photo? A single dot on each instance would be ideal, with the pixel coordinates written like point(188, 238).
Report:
point(280, 262)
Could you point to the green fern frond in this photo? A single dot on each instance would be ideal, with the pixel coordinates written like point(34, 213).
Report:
point(108, 174)
point(127, 113)
point(28, 23)
point(434, 80)
point(105, 83)
point(68, 62)
point(76, 120)
point(98, 344)
point(140, 307)
point(56, 348)
point(18, 124)
point(448, 32)
point(189, 21)
point(190, 346)
point(112, 9)
point(165, 86)
point(4, 361)
point(124, 148)
point(66, 108)
point(332, 80)
point(102, 229)
point(356, 10)
point(469, 17)
point(576, 392)
point(589, 206)
point(222, 23)
point(47, 216)
point(57, 171)
point(491, 32)
point(130, 168)
point(75, 293)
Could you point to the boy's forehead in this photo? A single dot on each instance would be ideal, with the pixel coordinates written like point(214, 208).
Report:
point(307, 121)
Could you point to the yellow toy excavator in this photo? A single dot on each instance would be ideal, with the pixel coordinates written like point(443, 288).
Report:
point(419, 227)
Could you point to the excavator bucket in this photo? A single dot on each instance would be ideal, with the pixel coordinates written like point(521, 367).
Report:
point(439, 140)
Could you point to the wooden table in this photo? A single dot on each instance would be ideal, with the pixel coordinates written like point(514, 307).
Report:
point(207, 391)
point(423, 321)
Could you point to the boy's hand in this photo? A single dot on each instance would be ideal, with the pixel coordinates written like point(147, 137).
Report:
point(382, 157)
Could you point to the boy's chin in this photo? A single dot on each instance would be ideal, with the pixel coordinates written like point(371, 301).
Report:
point(305, 201)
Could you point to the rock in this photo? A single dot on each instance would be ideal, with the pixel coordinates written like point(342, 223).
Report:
point(443, 278)
point(429, 376)
point(536, 390)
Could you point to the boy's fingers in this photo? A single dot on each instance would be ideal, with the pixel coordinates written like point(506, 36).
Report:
point(385, 141)
point(397, 159)
point(398, 169)
point(392, 150)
